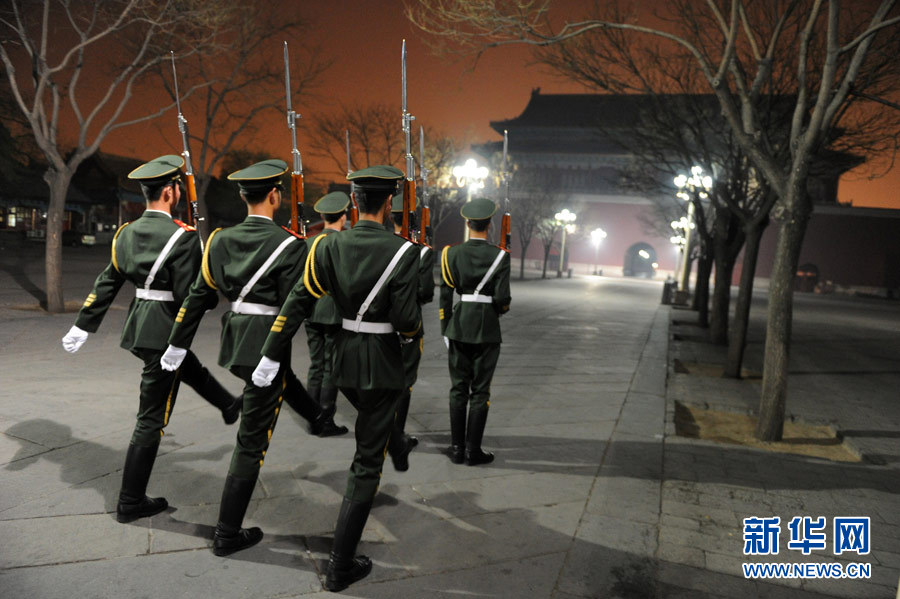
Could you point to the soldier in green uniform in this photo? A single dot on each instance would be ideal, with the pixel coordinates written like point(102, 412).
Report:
point(324, 323)
point(412, 352)
point(161, 257)
point(479, 273)
point(254, 265)
point(371, 274)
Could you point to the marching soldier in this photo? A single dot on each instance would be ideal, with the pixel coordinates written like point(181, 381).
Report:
point(371, 274)
point(323, 324)
point(161, 257)
point(254, 265)
point(479, 273)
point(412, 352)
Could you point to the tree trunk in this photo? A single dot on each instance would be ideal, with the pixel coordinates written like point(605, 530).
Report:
point(728, 239)
point(701, 290)
point(791, 228)
point(58, 181)
point(546, 257)
point(522, 262)
point(737, 341)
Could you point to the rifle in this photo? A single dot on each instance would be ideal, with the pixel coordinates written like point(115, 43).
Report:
point(194, 212)
point(409, 183)
point(425, 231)
point(298, 225)
point(505, 222)
point(354, 209)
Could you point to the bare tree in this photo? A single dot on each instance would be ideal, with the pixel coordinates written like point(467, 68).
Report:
point(375, 136)
point(546, 230)
point(243, 87)
point(534, 200)
point(822, 50)
point(441, 154)
point(45, 53)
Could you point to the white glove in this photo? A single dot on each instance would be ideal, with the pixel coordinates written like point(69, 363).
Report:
point(74, 339)
point(265, 372)
point(447, 342)
point(173, 358)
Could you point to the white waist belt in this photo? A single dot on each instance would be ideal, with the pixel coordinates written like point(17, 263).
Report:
point(471, 297)
point(254, 309)
point(154, 295)
point(366, 327)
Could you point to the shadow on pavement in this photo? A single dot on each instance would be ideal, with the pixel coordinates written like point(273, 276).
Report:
point(462, 548)
point(93, 462)
point(14, 269)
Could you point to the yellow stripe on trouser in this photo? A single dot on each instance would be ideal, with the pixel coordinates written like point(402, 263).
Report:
point(274, 417)
point(169, 402)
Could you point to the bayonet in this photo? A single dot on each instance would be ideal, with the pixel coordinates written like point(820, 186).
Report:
point(354, 209)
point(505, 222)
point(409, 184)
point(298, 225)
point(190, 185)
point(423, 172)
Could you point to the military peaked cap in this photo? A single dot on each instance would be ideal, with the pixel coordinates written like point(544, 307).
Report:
point(380, 177)
point(158, 171)
point(261, 176)
point(478, 209)
point(332, 203)
point(397, 202)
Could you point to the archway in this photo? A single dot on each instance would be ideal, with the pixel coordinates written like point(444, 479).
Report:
point(640, 261)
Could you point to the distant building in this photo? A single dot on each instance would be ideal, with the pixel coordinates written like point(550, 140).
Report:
point(99, 198)
point(564, 140)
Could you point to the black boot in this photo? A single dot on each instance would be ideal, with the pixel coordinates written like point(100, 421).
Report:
point(457, 450)
point(133, 501)
point(474, 433)
point(212, 391)
point(230, 537)
point(399, 450)
point(328, 403)
point(345, 567)
point(400, 418)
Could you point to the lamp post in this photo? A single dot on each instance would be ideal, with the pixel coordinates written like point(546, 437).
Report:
point(566, 220)
point(472, 176)
point(597, 237)
point(680, 227)
point(689, 189)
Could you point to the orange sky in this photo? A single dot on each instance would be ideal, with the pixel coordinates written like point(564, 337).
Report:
point(442, 94)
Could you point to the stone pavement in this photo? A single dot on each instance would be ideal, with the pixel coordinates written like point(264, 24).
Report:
point(590, 495)
point(844, 372)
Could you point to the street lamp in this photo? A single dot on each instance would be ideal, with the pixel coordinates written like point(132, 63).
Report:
point(690, 188)
point(566, 220)
point(472, 177)
point(597, 237)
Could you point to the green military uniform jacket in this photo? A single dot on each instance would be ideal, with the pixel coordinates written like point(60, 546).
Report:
point(326, 311)
point(231, 258)
point(135, 248)
point(346, 267)
point(462, 269)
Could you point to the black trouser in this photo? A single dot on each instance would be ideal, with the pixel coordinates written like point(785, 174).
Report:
point(471, 371)
point(320, 339)
point(374, 422)
point(159, 389)
point(259, 413)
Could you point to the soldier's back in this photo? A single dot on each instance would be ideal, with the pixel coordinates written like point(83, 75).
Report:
point(234, 256)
